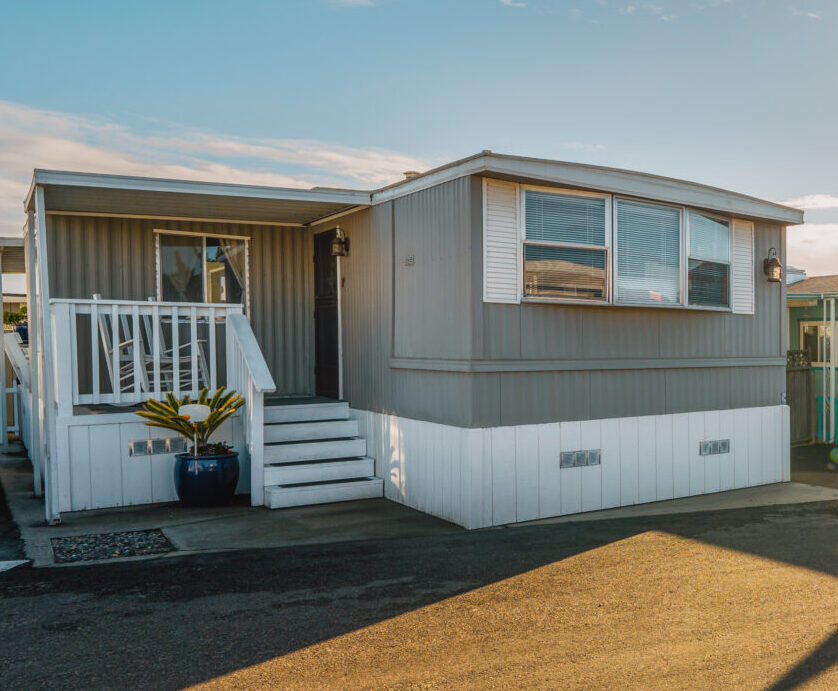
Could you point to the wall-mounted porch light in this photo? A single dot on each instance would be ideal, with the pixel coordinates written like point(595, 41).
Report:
point(772, 267)
point(340, 243)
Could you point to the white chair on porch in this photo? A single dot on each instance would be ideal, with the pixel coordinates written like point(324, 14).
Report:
point(122, 374)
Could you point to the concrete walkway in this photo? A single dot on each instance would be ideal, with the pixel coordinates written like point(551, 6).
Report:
point(240, 526)
point(215, 529)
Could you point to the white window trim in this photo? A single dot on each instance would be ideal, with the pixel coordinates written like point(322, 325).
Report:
point(821, 340)
point(522, 204)
point(158, 277)
point(729, 262)
point(611, 240)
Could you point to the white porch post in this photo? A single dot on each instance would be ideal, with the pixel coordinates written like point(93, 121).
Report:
point(47, 364)
point(4, 442)
point(35, 454)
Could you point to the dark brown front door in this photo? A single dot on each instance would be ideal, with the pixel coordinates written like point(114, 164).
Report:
point(325, 317)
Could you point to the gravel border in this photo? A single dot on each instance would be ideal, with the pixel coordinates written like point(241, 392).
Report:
point(129, 543)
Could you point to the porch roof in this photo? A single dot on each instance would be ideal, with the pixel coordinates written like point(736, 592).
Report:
point(11, 255)
point(161, 198)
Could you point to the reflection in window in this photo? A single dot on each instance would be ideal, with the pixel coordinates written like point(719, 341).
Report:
point(813, 342)
point(196, 268)
point(181, 268)
point(565, 272)
point(225, 270)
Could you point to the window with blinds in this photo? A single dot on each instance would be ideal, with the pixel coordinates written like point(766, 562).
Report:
point(708, 272)
point(590, 247)
point(566, 245)
point(648, 241)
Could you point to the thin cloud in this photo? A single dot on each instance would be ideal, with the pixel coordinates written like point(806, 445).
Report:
point(513, 3)
point(813, 202)
point(32, 138)
point(584, 146)
point(807, 14)
point(354, 3)
point(657, 11)
point(813, 247)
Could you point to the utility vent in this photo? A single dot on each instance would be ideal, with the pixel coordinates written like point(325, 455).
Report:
point(152, 447)
point(713, 448)
point(579, 459)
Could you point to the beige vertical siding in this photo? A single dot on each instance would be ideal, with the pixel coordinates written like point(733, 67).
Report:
point(115, 257)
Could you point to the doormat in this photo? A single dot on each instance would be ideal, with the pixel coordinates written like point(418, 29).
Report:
point(129, 543)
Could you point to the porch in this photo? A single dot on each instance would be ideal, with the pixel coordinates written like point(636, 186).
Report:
point(141, 287)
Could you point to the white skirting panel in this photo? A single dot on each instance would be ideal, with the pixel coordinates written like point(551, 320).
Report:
point(484, 477)
point(96, 471)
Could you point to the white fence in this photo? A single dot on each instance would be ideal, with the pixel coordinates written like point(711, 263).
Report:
point(125, 352)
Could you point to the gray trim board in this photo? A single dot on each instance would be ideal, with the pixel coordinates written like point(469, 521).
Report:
point(439, 365)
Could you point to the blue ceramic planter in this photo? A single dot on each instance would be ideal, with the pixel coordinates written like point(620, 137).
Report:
point(206, 480)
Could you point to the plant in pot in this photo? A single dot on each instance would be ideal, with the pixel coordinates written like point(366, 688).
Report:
point(206, 475)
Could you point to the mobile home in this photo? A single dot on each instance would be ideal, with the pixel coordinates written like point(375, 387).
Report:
point(496, 340)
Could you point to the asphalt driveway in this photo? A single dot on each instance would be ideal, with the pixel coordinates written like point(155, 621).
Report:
point(744, 598)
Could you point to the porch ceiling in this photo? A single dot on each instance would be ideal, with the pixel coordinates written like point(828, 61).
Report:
point(121, 195)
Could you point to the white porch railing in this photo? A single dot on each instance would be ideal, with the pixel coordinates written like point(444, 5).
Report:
point(125, 352)
point(248, 374)
point(20, 389)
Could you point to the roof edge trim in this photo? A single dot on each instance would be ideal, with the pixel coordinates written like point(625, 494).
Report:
point(612, 180)
point(128, 182)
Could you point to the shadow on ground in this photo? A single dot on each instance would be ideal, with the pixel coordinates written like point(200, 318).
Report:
point(172, 622)
point(809, 466)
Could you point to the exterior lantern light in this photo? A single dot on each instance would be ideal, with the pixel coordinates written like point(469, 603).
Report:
point(772, 267)
point(340, 243)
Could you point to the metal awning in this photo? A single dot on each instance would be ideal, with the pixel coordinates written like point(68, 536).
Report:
point(11, 255)
point(127, 196)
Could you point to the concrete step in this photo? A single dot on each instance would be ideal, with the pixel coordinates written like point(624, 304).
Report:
point(307, 412)
point(321, 471)
point(315, 450)
point(284, 496)
point(310, 431)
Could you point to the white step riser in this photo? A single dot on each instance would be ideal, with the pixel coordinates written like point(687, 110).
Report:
point(315, 451)
point(319, 472)
point(283, 497)
point(309, 431)
point(306, 413)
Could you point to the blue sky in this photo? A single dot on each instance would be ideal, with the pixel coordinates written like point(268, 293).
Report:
point(736, 93)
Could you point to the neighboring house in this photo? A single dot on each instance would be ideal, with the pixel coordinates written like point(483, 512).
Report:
point(811, 319)
point(513, 338)
point(794, 275)
point(12, 302)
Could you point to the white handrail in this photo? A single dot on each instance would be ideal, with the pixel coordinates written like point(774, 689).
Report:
point(248, 374)
point(17, 357)
point(255, 361)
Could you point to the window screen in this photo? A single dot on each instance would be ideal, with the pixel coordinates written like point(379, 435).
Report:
point(648, 253)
